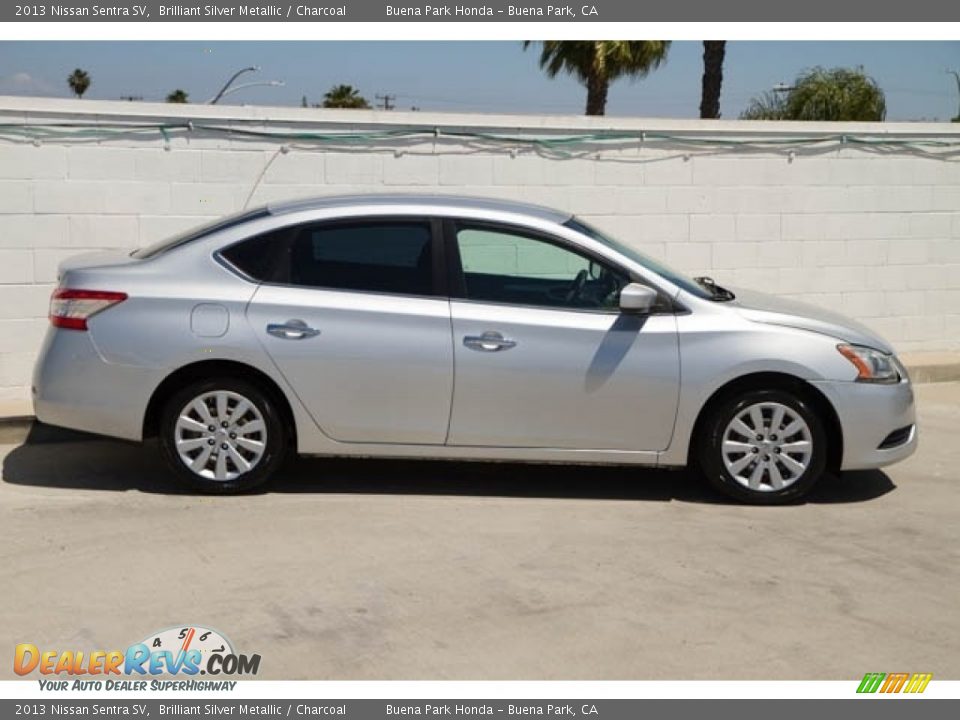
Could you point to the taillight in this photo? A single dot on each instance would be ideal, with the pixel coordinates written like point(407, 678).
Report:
point(72, 308)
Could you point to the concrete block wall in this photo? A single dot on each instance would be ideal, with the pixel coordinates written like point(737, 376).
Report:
point(874, 234)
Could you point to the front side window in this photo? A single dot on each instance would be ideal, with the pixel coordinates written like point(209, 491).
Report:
point(678, 279)
point(503, 266)
point(388, 257)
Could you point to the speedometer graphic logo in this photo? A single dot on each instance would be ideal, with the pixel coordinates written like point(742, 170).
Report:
point(184, 638)
point(192, 650)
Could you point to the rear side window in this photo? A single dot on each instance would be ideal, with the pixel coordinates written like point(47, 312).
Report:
point(388, 257)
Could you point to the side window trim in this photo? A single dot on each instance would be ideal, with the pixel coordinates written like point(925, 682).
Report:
point(441, 279)
point(456, 285)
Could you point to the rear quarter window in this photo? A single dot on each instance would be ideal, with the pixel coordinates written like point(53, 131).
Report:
point(264, 258)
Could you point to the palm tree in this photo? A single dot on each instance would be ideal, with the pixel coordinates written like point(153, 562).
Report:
point(178, 96)
point(597, 63)
point(344, 96)
point(713, 52)
point(79, 81)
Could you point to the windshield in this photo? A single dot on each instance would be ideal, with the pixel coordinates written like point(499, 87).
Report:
point(681, 281)
point(158, 248)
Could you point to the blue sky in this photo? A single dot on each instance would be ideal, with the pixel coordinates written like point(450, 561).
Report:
point(484, 76)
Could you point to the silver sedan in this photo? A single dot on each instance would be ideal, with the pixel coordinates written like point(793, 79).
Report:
point(453, 327)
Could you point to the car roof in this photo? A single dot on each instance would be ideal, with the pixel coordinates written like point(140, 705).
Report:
point(443, 202)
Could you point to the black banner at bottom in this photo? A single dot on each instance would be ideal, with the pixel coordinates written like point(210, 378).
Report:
point(875, 708)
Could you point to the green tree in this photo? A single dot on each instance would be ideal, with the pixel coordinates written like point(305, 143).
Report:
point(344, 96)
point(178, 96)
point(769, 105)
point(79, 81)
point(597, 63)
point(839, 94)
point(713, 54)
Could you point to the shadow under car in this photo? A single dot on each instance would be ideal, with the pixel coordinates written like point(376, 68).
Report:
point(58, 458)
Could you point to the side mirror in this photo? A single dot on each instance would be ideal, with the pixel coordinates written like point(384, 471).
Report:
point(637, 298)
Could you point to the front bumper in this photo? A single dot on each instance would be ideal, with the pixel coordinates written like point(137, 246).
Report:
point(74, 387)
point(869, 413)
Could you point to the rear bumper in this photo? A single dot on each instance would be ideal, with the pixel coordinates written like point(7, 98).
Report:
point(868, 414)
point(74, 387)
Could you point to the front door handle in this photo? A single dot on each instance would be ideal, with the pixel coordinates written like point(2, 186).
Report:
point(292, 330)
point(488, 342)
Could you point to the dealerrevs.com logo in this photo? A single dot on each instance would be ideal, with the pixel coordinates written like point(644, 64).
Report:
point(185, 650)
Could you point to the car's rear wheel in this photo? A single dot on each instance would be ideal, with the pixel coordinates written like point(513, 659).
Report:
point(764, 447)
point(222, 436)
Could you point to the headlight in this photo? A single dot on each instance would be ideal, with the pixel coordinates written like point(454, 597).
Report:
point(872, 365)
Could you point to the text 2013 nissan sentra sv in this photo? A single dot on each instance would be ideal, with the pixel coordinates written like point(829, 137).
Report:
point(447, 327)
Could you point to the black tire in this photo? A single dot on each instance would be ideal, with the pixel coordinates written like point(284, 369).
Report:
point(274, 443)
point(710, 454)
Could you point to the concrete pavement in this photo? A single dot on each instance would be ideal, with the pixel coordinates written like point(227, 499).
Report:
point(406, 570)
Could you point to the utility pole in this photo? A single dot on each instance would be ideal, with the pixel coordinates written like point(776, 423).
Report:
point(956, 76)
point(386, 100)
point(132, 98)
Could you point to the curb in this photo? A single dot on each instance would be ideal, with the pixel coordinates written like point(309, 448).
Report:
point(14, 428)
point(934, 372)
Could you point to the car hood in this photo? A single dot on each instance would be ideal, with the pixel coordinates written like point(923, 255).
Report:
point(763, 308)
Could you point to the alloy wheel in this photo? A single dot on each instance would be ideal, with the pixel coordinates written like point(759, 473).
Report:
point(767, 446)
point(220, 435)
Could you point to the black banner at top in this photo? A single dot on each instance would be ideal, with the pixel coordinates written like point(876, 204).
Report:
point(483, 11)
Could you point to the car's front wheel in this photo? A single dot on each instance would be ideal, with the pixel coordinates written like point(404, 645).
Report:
point(222, 436)
point(764, 447)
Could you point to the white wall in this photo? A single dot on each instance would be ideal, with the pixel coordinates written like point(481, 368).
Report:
point(871, 231)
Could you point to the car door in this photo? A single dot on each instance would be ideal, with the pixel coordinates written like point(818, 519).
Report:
point(359, 325)
point(543, 356)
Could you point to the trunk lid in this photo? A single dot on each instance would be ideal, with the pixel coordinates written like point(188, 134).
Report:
point(93, 260)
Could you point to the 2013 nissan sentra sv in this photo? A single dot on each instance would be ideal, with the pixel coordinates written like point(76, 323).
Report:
point(454, 327)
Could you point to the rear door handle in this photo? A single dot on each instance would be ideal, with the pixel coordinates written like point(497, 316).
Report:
point(292, 330)
point(490, 341)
